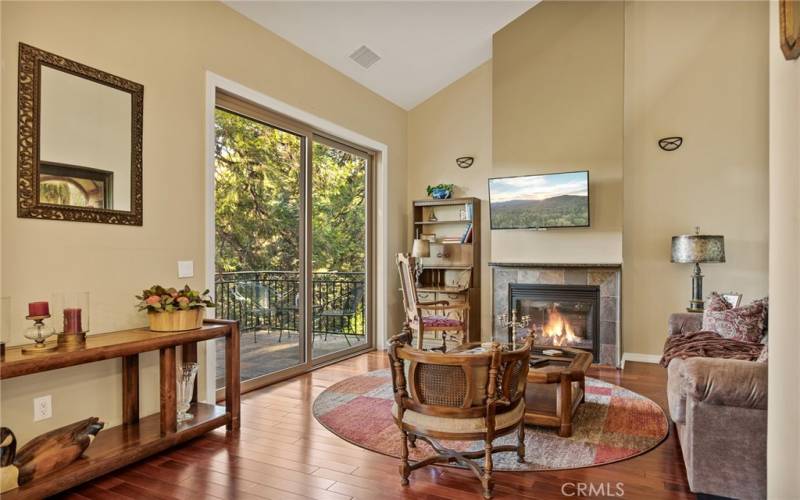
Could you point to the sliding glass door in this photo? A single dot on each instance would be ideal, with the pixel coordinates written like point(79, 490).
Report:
point(293, 242)
point(339, 250)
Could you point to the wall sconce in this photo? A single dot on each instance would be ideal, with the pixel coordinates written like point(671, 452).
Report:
point(670, 143)
point(465, 161)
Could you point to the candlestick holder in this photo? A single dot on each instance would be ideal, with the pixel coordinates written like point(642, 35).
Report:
point(39, 333)
point(513, 324)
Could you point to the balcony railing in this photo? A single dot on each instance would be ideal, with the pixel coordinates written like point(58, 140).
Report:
point(270, 300)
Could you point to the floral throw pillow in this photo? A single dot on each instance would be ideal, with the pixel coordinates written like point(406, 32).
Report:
point(746, 323)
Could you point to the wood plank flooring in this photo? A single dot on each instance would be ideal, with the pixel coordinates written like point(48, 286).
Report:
point(282, 452)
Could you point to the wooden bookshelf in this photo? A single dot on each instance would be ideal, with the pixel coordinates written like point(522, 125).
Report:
point(452, 272)
point(136, 438)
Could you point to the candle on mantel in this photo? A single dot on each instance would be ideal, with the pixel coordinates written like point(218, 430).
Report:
point(38, 309)
point(72, 320)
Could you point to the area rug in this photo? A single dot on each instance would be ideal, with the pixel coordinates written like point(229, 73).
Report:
point(613, 424)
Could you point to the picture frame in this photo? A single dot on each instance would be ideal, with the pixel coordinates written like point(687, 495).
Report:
point(732, 298)
point(790, 28)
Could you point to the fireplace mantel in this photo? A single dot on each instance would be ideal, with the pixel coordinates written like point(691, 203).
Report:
point(549, 265)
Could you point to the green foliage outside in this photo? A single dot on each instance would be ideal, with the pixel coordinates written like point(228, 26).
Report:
point(258, 201)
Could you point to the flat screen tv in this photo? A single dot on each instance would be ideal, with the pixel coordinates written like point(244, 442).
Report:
point(540, 201)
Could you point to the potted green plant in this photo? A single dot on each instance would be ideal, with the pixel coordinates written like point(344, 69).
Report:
point(171, 310)
point(440, 191)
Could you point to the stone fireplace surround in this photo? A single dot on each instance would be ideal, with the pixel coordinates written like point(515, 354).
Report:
point(606, 276)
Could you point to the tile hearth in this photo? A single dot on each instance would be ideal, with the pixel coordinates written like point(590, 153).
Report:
point(604, 276)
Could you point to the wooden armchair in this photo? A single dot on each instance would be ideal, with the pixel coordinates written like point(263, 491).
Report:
point(440, 320)
point(459, 396)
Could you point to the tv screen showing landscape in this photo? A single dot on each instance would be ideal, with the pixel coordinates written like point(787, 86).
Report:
point(540, 201)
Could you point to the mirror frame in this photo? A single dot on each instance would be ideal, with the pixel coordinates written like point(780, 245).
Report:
point(789, 31)
point(31, 61)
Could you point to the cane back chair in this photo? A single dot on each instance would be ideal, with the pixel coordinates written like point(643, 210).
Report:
point(447, 319)
point(459, 396)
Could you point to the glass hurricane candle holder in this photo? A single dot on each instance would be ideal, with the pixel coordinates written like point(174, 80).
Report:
point(71, 310)
point(185, 387)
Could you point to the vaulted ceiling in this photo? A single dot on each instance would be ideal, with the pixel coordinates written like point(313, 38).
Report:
point(423, 46)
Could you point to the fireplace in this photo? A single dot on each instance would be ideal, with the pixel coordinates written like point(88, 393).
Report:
point(560, 315)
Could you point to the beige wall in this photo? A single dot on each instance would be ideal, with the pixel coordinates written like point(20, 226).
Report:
point(456, 122)
point(784, 271)
point(557, 107)
point(167, 47)
point(686, 75)
point(564, 110)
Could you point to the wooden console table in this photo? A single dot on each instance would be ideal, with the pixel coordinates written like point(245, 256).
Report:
point(136, 438)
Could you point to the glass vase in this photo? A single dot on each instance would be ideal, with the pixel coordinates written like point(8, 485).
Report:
point(185, 382)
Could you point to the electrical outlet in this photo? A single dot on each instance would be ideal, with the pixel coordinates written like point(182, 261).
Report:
point(42, 408)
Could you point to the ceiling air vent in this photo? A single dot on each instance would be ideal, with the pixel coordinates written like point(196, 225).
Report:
point(364, 56)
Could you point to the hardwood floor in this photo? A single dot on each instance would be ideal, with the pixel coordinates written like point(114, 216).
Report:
point(283, 453)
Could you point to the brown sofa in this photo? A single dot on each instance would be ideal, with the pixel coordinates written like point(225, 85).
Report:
point(719, 407)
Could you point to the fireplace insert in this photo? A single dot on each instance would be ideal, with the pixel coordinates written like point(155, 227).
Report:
point(560, 315)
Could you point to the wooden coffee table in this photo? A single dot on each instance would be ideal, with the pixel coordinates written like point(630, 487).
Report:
point(556, 386)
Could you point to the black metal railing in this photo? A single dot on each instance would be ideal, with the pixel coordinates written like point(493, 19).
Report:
point(270, 300)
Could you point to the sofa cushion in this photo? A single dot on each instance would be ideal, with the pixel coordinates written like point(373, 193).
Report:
point(746, 323)
point(461, 425)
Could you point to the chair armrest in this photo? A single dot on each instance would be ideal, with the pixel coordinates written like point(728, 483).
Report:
point(724, 382)
point(685, 323)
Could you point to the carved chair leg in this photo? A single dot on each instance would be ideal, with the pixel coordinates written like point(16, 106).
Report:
point(405, 467)
point(412, 440)
point(521, 442)
point(486, 480)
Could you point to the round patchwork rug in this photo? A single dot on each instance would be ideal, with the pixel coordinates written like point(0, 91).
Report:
point(613, 424)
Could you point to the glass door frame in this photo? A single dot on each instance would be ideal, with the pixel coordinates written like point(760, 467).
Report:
point(308, 136)
point(369, 251)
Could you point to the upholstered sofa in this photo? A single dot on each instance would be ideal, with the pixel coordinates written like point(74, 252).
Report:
point(719, 407)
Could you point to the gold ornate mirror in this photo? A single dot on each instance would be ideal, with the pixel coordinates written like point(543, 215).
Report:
point(790, 28)
point(80, 142)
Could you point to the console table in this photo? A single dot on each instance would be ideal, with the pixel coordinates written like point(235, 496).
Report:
point(136, 438)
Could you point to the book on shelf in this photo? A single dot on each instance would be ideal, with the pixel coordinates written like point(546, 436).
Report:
point(467, 236)
point(468, 210)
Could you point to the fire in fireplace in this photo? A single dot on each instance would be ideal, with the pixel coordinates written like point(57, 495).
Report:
point(560, 315)
point(557, 330)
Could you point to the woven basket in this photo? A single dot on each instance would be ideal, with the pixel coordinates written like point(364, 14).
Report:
point(176, 321)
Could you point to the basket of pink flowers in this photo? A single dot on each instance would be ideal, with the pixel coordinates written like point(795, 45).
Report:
point(172, 310)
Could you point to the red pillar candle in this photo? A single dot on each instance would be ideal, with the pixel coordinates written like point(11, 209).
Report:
point(72, 320)
point(38, 309)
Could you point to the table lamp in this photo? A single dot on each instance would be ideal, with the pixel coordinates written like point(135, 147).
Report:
point(421, 248)
point(694, 249)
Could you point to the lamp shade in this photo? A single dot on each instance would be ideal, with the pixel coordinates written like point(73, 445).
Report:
point(421, 248)
point(695, 248)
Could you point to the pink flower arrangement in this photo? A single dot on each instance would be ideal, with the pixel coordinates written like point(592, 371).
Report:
point(160, 299)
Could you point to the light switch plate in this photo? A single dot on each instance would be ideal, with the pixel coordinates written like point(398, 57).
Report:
point(185, 269)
